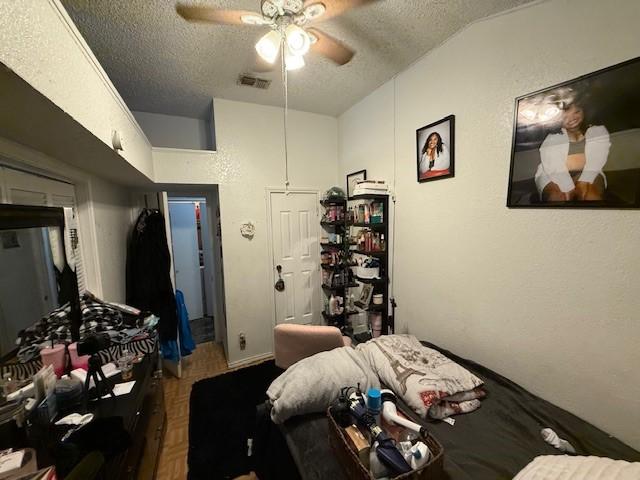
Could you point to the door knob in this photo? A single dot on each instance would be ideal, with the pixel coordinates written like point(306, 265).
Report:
point(279, 286)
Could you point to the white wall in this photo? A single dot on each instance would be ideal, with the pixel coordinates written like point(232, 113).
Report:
point(249, 158)
point(112, 209)
point(176, 132)
point(545, 297)
point(40, 43)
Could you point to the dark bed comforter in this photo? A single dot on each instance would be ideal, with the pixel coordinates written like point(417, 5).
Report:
point(494, 442)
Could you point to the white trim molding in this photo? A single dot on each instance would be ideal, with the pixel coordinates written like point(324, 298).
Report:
point(93, 61)
point(248, 360)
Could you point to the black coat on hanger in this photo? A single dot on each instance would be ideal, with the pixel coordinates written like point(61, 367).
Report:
point(149, 286)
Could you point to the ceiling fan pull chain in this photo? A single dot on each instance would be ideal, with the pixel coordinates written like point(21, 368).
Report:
point(286, 108)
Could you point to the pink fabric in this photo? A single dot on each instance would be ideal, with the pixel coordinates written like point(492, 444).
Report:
point(294, 342)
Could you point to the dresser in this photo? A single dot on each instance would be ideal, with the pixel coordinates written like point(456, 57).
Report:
point(144, 414)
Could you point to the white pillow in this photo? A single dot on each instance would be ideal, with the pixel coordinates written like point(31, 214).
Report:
point(555, 467)
point(314, 383)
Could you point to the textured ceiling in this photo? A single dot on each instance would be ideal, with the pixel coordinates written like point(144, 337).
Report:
point(160, 63)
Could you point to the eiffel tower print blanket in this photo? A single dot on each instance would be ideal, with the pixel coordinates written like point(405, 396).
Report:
point(431, 384)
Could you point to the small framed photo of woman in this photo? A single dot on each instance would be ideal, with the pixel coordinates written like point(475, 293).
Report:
point(435, 150)
point(352, 182)
point(577, 144)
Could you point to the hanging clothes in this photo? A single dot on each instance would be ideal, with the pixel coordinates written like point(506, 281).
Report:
point(169, 348)
point(149, 285)
point(187, 345)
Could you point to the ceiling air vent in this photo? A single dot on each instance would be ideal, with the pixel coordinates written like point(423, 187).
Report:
point(255, 82)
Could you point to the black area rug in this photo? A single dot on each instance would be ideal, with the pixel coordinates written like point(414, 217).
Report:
point(223, 415)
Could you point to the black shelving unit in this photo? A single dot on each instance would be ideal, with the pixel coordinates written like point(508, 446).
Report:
point(328, 245)
point(381, 284)
point(339, 227)
point(371, 280)
point(370, 253)
point(373, 226)
point(338, 288)
point(333, 319)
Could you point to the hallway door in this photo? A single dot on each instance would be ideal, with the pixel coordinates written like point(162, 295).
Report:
point(186, 255)
point(295, 224)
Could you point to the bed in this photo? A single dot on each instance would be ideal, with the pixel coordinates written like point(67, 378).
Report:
point(494, 442)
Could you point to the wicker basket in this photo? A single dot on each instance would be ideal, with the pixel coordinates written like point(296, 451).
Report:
point(433, 470)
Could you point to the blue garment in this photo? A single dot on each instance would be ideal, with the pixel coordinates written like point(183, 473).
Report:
point(187, 345)
point(169, 348)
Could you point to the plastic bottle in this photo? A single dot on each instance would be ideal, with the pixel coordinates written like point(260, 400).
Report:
point(332, 305)
point(419, 455)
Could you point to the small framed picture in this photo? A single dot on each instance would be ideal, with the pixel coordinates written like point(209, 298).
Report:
point(365, 296)
point(352, 181)
point(435, 150)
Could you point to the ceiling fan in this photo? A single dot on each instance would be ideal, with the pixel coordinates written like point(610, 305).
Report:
point(290, 23)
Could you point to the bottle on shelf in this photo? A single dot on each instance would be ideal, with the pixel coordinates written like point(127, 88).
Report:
point(332, 304)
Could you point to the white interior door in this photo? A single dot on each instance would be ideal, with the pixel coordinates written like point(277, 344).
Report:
point(215, 232)
point(294, 229)
point(186, 257)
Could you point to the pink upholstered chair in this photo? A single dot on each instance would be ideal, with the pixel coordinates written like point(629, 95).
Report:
point(293, 342)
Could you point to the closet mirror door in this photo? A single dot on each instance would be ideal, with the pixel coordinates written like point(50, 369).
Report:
point(23, 188)
point(28, 288)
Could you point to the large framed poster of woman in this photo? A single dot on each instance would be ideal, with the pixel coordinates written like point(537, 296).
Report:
point(435, 150)
point(577, 144)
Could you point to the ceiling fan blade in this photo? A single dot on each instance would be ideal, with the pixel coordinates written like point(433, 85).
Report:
point(330, 47)
point(193, 13)
point(333, 8)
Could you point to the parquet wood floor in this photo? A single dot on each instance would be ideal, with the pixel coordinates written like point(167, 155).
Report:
point(207, 361)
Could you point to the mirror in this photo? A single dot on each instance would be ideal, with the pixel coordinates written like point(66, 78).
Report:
point(35, 277)
point(28, 285)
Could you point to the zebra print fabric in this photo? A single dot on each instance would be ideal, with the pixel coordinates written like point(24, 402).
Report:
point(24, 371)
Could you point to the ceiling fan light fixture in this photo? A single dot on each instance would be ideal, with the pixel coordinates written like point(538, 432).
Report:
point(293, 61)
point(298, 40)
point(253, 19)
point(313, 11)
point(293, 6)
point(268, 46)
point(269, 9)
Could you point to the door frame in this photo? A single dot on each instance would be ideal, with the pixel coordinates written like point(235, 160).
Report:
point(270, 257)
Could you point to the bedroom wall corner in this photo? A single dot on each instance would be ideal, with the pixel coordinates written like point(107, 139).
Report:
point(545, 297)
point(250, 158)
